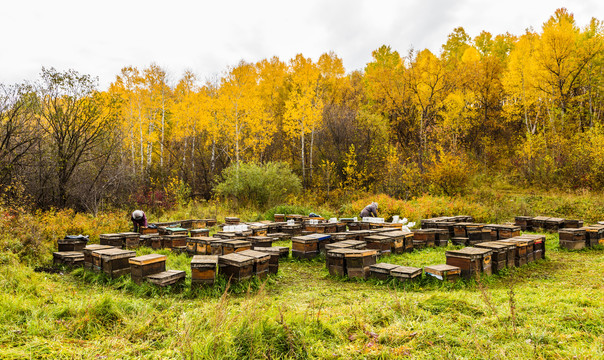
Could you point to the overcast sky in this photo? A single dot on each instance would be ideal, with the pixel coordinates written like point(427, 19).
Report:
point(101, 37)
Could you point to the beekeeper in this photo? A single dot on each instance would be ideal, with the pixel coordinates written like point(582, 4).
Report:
point(139, 219)
point(369, 210)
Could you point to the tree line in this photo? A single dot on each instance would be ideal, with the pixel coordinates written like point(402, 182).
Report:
point(528, 107)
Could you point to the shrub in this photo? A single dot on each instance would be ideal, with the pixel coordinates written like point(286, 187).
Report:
point(258, 185)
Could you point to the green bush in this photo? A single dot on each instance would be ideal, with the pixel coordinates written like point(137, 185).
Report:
point(258, 185)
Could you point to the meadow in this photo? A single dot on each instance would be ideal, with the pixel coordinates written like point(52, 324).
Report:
point(551, 308)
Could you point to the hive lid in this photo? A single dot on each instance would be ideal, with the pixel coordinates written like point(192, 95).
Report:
point(115, 253)
point(257, 255)
point(405, 271)
point(69, 254)
point(235, 259)
point(237, 243)
point(470, 251)
point(147, 259)
point(204, 259)
point(383, 266)
point(442, 269)
point(93, 247)
point(105, 236)
point(130, 234)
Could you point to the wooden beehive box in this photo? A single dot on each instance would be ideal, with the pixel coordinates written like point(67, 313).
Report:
point(258, 228)
point(406, 273)
point(459, 229)
point(305, 247)
point(346, 244)
point(275, 253)
point(460, 241)
point(323, 238)
point(72, 243)
point(499, 258)
point(232, 220)
point(382, 244)
point(131, 240)
point(274, 227)
point(115, 240)
point(572, 223)
point(113, 262)
point(476, 235)
point(428, 223)
point(443, 272)
point(521, 253)
point(511, 254)
point(166, 278)
point(173, 231)
point(217, 247)
point(342, 236)
point(232, 246)
point(142, 266)
point(204, 269)
point(359, 261)
point(261, 241)
point(441, 237)
point(525, 222)
point(235, 266)
point(539, 223)
point(471, 261)
point(280, 236)
point(360, 234)
point(296, 217)
point(279, 218)
point(199, 232)
point(594, 235)
point(261, 261)
point(424, 238)
point(192, 246)
point(447, 225)
point(174, 241)
point(554, 224)
point(336, 263)
point(573, 239)
point(381, 271)
point(292, 230)
point(88, 253)
point(69, 258)
point(209, 222)
point(144, 230)
point(508, 231)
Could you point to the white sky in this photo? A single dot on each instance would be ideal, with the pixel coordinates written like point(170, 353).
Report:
point(101, 37)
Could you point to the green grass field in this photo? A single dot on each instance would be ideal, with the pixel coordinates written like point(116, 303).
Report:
point(553, 308)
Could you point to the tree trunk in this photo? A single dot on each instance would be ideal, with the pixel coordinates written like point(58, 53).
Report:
point(303, 160)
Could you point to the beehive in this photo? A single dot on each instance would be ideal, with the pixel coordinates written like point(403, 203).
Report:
point(173, 231)
point(292, 230)
point(381, 271)
point(236, 267)
point(305, 247)
point(573, 239)
point(573, 224)
point(193, 246)
point(524, 222)
point(275, 253)
point(69, 258)
point(142, 266)
point(203, 269)
point(261, 261)
point(539, 223)
point(231, 246)
point(346, 244)
point(460, 241)
point(174, 241)
point(471, 261)
point(199, 232)
point(88, 253)
point(336, 263)
point(499, 257)
point(424, 238)
point(166, 278)
point(521, 253)
point(382, 244)
point(406, 273)
point(113, 262)
point(594, 235)
point(232, 220)
point(144, 230)
point(115, 240)
point(443, 272)
point(72, 243)
point(359, 261)
point(554, 224)
point(279, 218)
point(216, 246)
point(261, 241)
point(131, 240)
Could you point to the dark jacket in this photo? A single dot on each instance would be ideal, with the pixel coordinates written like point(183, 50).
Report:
point(140, 222)
point(369, 210)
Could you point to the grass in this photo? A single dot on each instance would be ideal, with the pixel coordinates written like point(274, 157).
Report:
point(556, 311)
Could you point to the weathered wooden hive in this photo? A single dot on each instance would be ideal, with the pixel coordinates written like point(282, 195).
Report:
point(258, 229)
point(261, 261)
point(232, 220)
point(150, 240)
point(382, 244)
point(88, 253)
point(447, 225)
point(538, 223)
point(68, 258)
point(522, 250)
point(305, 246)
point(594, 235)
point(280, 218)
point(573, 239)
point(232, 246)
point(406, 273)
point(275, 253)
point(292, 229)
point(261, 241)
point(360, 234)
point(204, 269)
point(402, 241)
point(145, 230)
point(443, 272)
point(471, 261)
point(217, 247)
point(236, 267)
point(554, 224)
point(173, 231)
point(359, 261)
point(573, 223)
point(538, 244)
point(115, 240)
point(72, 243)
point(131, 240)
point(199, 232)
point(145, 265)
point(193, 246)
point(460, 241)
point(499, 257)
point(113, 262)
point(525, 222)
point(336, 263)
point(424, 238)
point(174, 241)
point(346, 244)
point(166, 278)
point(381, 271)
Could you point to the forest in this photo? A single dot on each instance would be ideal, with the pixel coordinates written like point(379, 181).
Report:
point(526, 109)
